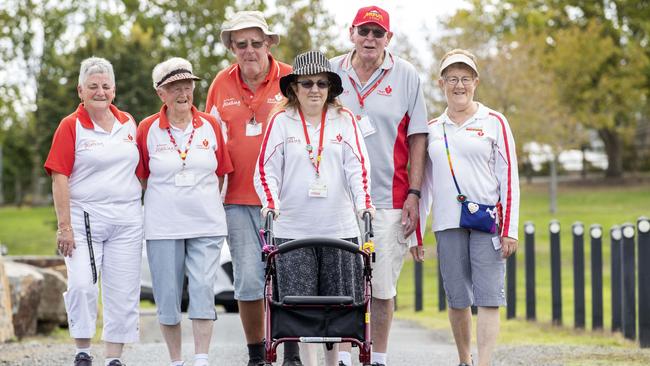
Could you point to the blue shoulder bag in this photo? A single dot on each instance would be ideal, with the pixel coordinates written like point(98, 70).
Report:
point(473, 215)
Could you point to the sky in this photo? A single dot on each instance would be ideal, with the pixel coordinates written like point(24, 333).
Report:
point(416, 18)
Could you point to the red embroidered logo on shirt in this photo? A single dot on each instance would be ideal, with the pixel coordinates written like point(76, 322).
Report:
point(478, 130)
point(386, 91)
point(130, 137)
point(205, 142)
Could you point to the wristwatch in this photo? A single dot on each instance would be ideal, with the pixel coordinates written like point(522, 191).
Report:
point(415, 192)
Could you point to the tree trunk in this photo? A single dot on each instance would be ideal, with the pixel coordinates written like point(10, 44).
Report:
point(553, 184)
point(614, 151)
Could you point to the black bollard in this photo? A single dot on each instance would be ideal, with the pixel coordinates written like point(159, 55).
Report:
point(442, 300)
point(617, 293)
point(578, 231)
point(643, 243)
point(596, 234)
point(628, 305)
point(556, 272)
point(418, 286)
point(529, 230)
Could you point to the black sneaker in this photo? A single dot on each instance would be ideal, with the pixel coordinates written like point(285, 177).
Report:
point(377, 364)
point(292, 361)
point(116, 363)
point(256, 362)
point(83, 359)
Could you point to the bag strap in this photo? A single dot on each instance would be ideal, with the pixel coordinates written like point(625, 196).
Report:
point(461, 197)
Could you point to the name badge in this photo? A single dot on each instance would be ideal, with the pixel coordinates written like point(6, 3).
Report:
point(366, 126)
point(253, 128)
point(317, 189)
point(184, 179)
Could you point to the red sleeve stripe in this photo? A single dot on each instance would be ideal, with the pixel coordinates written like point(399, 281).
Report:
point(400, 163)
point(261, 163)
point(508, 203)
point(364, 171)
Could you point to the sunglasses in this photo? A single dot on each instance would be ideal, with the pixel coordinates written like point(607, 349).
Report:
point(242, 45)
point(308, 84)
point(376, 32)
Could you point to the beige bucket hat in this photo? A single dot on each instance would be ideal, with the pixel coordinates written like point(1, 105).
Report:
point(243, 20)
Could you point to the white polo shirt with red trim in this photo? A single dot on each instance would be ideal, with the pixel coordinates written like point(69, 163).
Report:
point(484, 160)
point(393, 103)
point(173, 211)
point(285, 173)
point(100, 165)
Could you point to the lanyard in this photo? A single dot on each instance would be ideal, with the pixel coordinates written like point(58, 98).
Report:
point(363, 97)
point(461, 197)
point(182, 154)
point(310, 149)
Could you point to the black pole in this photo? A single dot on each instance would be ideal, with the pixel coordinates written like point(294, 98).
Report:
point(578, 231)
point(596, 234)
point(418, 286)
point(643, 242)
point(442, 300)
point(511, 291)
point(529, 230)
point(556, 272)
point(617, 293)
point(628, 319)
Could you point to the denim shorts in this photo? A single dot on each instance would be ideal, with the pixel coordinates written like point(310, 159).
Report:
point(473, 270)
point(169, 261)
point(246, 251)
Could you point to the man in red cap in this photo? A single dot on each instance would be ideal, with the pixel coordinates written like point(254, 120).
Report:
point(385, 94)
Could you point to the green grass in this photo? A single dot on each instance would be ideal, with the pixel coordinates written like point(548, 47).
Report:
point(605, 205)
point(28, 230)
point(32, 231)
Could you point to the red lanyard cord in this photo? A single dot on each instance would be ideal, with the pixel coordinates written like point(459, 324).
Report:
point(182, 154)
point(310, 149)
point(362, 98)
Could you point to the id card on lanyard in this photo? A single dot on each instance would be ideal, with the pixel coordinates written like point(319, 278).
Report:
point(317, 188)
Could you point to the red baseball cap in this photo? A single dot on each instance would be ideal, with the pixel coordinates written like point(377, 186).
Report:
point(372, 14)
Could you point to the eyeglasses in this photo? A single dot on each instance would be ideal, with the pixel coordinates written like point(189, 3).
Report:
point(308, 84)
point(242, 45)
point(453, 80)
point(376, 32)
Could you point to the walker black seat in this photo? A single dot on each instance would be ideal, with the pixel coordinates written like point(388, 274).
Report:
point(317, 300)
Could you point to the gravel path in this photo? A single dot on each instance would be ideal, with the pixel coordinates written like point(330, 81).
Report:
point(410, 345)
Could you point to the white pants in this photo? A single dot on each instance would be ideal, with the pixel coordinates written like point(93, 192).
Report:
point(118, 252)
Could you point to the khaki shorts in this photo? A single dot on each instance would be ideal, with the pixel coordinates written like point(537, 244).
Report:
point(390, 248)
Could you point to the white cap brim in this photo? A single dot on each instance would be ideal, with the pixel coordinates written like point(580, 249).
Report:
point(458, 58)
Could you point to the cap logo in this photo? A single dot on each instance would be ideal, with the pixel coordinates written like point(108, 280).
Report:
point(373, 15)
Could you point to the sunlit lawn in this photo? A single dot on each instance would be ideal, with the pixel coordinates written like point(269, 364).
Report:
point(605, 205)
point(32, 231)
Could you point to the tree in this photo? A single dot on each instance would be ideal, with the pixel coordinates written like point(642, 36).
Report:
point(598, 94)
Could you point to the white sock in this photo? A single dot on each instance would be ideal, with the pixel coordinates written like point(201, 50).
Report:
point(201, 359)
point(378, 357)
point(177, 363)
point(346, 358)
point(109, 360)
point(84, 350)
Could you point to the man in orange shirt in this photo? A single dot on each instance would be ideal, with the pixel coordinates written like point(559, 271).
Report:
point(241, 97)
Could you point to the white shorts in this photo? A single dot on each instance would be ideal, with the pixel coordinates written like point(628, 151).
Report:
point(117, 250)
point(390, 248)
